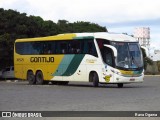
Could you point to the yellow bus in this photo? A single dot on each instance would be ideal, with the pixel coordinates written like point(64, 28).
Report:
point(87, 57)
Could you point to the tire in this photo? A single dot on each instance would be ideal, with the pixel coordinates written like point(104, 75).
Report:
point(31, 78)
point(95, 79)
point(39, 78)
point(120, 85)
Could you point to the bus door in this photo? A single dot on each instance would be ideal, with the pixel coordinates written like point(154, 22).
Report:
point(108, 58)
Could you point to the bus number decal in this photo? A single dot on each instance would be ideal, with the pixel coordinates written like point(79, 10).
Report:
point(20, 59)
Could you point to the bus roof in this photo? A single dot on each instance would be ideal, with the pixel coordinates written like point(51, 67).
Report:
point(110, 36)
point(55, 37)
point(70, 36)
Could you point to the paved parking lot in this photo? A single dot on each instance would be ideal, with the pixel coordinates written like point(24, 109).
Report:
point(80, 96)
point(19, 96)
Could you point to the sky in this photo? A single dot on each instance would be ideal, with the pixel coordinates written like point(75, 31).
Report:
point(120, 16)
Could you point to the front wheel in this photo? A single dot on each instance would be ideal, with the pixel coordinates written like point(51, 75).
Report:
point(39, 78)
point(95, 79)
point(120, 85)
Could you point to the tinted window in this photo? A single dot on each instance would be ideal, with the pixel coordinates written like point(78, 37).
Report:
point(107, 55)
point(76, 47)
point(34, 48)
point(56, 47)
point(61, 47)
point(89, 48)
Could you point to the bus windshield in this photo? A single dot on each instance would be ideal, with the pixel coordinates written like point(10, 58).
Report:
point(128, 55)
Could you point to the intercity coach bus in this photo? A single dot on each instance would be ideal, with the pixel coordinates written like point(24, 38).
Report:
point(85, 57)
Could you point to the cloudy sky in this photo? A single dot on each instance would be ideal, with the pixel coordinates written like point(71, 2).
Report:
point(121, 16)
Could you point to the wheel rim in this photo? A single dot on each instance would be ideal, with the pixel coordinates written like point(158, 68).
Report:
point(39, 78)
point(120, 85)
point(30, 78)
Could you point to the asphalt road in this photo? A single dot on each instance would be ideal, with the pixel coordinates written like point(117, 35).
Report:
point(19, 96)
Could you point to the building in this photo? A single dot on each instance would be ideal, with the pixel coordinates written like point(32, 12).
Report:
point(142, 34)
point(155, 55)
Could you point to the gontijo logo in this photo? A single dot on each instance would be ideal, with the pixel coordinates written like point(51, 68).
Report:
point(42, 59)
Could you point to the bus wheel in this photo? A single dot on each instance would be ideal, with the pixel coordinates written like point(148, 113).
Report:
point(39, 78)
point(31, 78)
point(95, 79)
point(120, 85)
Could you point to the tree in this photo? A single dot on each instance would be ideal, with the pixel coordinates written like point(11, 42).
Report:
point(158, 65)
point(146, 60)
point(6, 51)
point(15, 25)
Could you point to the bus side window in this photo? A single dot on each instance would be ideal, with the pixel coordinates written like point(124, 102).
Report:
point(91, 49)
point(108, 56)
point(58, 47)
point(78, 47)
point(74, 47)
point(48, 49)
point(53, 48)
point(44, 48)
point(70, 48)
point(19, 48)
point(62, 47)
point(36, 48)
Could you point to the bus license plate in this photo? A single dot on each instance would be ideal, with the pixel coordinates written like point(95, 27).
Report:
point(132, 79)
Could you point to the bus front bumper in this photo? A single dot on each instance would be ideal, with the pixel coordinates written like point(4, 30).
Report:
point(128, 79)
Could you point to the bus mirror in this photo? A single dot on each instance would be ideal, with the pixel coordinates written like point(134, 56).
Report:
point(145, 50)
point(113, 48)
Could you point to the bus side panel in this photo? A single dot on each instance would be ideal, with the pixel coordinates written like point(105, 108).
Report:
point(94, 64)
point(48, 68)
point(81, 72)
point(18, 66)
point(23, 63)
point(18, 71)
point(69, 66)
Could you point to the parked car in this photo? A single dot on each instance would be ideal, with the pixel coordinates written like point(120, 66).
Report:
point(8, 72)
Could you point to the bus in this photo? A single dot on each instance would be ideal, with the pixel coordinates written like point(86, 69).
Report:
point(99, 57)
